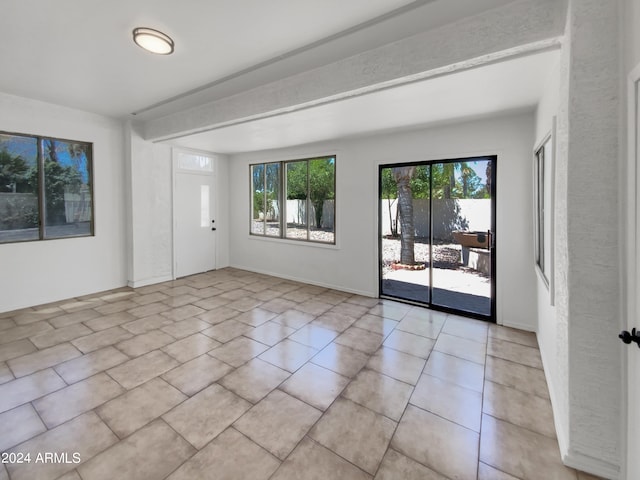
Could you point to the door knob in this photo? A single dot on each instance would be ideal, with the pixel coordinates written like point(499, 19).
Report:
point(627, 337)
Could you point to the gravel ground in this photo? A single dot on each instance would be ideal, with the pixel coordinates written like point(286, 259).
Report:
point(445, 256)
point(293, 232)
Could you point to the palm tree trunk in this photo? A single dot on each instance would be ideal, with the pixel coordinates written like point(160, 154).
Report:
point(403, 176)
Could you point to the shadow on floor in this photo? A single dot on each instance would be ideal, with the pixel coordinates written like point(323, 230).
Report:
point(445, 298)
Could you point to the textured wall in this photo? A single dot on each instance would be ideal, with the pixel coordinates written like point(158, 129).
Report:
point(151, 207)
point(587, 240)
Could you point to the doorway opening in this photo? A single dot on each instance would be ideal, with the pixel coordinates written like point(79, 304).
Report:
point(437, 234)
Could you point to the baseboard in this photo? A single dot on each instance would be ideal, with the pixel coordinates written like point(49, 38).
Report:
point(149, 281)
point(591, 465)
point(519, 326)
point(305, 280)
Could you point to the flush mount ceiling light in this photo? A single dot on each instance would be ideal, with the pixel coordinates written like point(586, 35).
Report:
point(153, 41)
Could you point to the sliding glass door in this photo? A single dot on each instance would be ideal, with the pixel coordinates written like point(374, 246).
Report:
point(437, 234)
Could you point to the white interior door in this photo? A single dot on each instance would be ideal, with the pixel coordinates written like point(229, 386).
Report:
point(194, 214)
point(633, 318)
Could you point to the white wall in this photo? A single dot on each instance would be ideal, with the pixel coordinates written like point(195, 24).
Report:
point(33, 273)
point(151, 241)
point(150, 167)
point(352, 265)
point(222, 210)
point(552, 336)
point(577, 336)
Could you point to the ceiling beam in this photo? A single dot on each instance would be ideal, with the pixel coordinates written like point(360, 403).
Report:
point(519, 28)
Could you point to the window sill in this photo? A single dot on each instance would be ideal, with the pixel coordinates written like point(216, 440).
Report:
point(301, 243)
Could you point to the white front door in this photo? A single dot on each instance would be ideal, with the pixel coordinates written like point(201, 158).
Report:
point(194, 214)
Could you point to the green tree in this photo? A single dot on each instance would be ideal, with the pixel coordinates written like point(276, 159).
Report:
point(314, 178)
point(13, 170)
point(389, 192)
point(57, 180)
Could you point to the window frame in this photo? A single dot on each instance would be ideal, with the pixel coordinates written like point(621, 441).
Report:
point(543, 190)
point(282, 200)
point(41, 188)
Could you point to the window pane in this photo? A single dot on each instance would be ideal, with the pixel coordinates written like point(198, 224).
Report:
point(322, 198)
point(193, 162)
point(273, 199)
point(297, 200)
point(257, 199)
point(67, 188)
point(19, 216)
point(204, 206)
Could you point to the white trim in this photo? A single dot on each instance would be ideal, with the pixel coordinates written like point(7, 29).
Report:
point(631, 265)
point(305, 280)
point(592, 465)
point(149, 281)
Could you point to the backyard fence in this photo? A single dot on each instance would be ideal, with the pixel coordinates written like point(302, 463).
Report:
point(449, 215)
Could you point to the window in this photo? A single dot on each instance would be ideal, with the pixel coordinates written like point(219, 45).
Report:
point(543, 170)
point(45, 188)
point(294, 199)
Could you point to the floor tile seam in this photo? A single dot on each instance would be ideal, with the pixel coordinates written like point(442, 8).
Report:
point(322, 414)
point(231, 426)
point(511, 387)
point(406, 353)
point(484, 379)
point(430, 467)
point(496, 337)
point(43, 368)
point(541, 368)
point(93, 409)
point(449, 420)
point(46, 429)
point(485, 342)
point(335, 453)
point(496, 467)
point(120, 440)
point(537, 347)
point(366, 367)
point(289, 372)
point(393, 435)
point(397, 327)
point(397, 422)
point(434, 349)
point(190, 359)
point(449, 382)
point(6, 361)
point(555, 439)
point(280, 387)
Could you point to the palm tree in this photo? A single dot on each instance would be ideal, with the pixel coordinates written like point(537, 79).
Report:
point(403, 176)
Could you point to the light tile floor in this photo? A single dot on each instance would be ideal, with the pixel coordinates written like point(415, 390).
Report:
point(236, 375)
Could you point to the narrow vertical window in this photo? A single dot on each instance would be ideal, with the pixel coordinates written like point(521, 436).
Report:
point(205, 204)
point(258, 199)
point(543, 198)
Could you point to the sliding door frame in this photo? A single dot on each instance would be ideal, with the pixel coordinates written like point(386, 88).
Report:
point(492, 246)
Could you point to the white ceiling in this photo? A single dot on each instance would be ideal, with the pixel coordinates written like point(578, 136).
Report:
point(79, 53)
